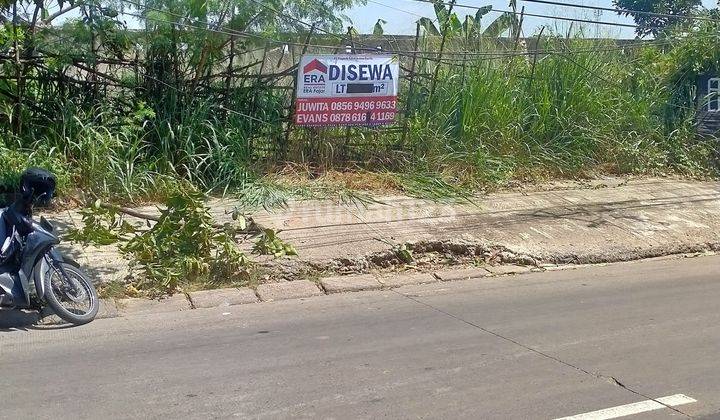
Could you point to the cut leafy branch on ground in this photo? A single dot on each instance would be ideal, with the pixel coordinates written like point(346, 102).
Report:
point(180, 249)
point(270, 244)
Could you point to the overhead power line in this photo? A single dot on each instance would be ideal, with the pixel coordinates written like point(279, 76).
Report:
point(408, 53)
point(398, 9)
point(594, 22)
point(626, 11)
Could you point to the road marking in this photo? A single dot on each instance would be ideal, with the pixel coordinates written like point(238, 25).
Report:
point(634, 408)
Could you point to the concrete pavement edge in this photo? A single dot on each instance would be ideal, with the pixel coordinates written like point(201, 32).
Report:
point(303, 289)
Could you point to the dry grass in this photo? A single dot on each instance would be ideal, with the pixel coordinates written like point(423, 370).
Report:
point(356, 179)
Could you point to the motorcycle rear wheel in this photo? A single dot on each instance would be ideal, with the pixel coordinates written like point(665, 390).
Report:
point(66, 287)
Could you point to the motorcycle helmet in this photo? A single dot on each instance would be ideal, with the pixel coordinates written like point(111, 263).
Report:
point(37, 186)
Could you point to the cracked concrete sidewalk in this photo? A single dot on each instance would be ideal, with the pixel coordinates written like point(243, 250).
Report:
point(600, 221)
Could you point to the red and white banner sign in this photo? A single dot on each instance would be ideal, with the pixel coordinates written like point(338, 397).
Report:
point(347, 90)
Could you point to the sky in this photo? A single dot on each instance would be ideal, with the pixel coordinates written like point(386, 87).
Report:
point(401, 15)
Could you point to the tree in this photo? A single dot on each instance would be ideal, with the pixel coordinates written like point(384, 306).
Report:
point(469, 28)
point(378, 30)
point(656, 25)
point(84, 46)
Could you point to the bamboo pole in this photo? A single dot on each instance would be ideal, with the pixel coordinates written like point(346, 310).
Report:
point(228, 78)
point(253, 108)
point(93, 51)
point(411, 89)
point(348, 129)
point(535, 58)
point(446, 26)
point(293, 98)
point(17, 111)
point(518, 29)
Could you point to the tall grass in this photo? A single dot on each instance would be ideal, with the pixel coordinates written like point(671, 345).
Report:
point(143, 153)
point(575, 112)
point(561, 114)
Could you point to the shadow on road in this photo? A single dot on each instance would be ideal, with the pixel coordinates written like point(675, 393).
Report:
point(18, 320)
point(13, 320)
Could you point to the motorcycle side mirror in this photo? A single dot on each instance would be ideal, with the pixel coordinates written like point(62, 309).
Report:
point(45, 224)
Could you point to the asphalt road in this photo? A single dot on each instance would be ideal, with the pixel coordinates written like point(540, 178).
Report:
point(542, 345)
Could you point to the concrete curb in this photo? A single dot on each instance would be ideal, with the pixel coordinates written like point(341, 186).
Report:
point(501, 270)
point(301, 289)
point(222, 297)
point(357, 283)
point(462, 274)
point(297, 289)
point(406, 279)
point(135, 306)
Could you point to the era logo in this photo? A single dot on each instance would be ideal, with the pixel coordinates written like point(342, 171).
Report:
point(314, 67)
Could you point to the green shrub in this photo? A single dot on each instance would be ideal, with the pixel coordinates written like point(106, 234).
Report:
point(183, 250)
point(14, 160)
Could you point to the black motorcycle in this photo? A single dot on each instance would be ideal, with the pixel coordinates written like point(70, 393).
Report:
point(33, 274)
